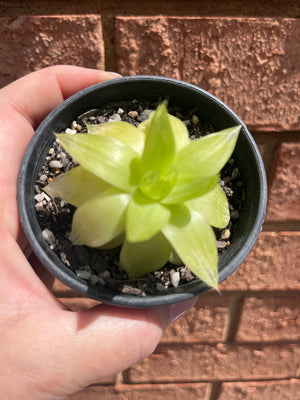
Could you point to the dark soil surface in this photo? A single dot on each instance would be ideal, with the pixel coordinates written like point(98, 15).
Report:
point(101, 267)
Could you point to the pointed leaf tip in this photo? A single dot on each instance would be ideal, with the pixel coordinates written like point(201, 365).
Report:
point(208, 155)
point(159, 150)
point(195, 243)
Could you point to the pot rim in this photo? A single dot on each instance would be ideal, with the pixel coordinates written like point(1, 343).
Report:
point(183, 292)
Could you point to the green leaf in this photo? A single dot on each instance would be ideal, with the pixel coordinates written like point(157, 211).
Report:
point(157, 184)
point(138, 259)
point(180, 132)
point(76, 186)
point(213, 206)
point(122, 131)
point(144, 218)
point(194, 242)
point(159, 150)
point(143, 127)
point(103, 156)
point(208, 155)
point(174, 259)
point(101, 219)
point(116, 242)
point(186, 189)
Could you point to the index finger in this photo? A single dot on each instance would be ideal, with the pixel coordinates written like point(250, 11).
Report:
point(36, 94)
point(23, 104)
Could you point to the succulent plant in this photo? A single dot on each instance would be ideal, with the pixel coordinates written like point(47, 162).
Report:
point(151, 189)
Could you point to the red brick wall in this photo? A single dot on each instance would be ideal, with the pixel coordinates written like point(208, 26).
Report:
point(244, 344)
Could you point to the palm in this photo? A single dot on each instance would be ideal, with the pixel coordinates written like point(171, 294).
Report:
point(46, 350)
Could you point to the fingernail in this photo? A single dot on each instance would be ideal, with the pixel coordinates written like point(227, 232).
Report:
point(115, 74)
point(177, 310)
point(107, 76)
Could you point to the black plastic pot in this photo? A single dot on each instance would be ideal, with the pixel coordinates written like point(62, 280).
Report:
point(177, 93)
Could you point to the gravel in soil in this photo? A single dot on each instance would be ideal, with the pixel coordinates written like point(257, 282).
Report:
point(101, 267)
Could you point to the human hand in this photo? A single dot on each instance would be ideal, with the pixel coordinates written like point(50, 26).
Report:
point(48, 351)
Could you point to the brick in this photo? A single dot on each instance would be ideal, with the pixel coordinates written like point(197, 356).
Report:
point(273, 264)
point(78, 303)
point(251, 64)
point(271, 390)
point(284, 196)
point(29, 43)
point(195, 362)
point(205, 322)
point(270, 319)
point(59, 289)
point(144, 392)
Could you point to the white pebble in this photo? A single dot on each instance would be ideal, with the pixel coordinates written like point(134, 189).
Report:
point(48, 236)
point(114, 118)
point(62, 155)
point(43, 178)
point(83, 274)
point(46, 197)
point(39, 207)
point(39, 197)
point(69, 131)
point(221, 245)
point(55, 164)
point(74, 125)
point(175, 278)
point(226, 234)
point(101, 119)
point(64, 162)
point(194, 119)
point(120, 111)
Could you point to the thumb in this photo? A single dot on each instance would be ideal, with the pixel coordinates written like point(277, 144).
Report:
point(112, 339)
point(60, 352)
point(106, 340)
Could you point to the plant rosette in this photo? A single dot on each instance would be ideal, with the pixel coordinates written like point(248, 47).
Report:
point(148, 188)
